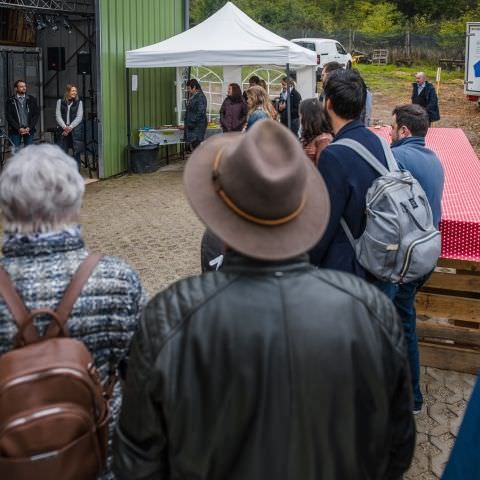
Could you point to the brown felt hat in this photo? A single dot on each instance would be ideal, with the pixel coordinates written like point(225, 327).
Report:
point(258, 192)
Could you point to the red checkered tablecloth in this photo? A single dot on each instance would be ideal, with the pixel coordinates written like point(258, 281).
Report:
point(460, 225)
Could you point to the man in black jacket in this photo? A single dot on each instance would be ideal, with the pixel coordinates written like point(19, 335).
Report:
point(269, 368)
point(424, 94)
point(22, 115)
point(295, 99)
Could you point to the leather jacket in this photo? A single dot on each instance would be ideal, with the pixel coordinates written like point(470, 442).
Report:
point(267, 371)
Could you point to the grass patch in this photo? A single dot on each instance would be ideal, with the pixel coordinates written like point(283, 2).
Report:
point(393, 79)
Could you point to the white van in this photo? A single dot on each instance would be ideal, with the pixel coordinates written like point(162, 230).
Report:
point(327, 50)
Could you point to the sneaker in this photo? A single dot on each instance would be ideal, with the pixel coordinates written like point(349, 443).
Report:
point(416, 412)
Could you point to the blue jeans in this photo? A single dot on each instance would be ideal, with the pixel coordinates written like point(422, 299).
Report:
point(403, 297)
point(16, 138)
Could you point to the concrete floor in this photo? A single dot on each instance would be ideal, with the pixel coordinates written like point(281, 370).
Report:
point(146, 220)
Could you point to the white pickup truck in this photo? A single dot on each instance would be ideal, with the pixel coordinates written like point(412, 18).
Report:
point(472, 62)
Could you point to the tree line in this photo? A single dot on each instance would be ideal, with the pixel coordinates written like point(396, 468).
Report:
point(374, 17)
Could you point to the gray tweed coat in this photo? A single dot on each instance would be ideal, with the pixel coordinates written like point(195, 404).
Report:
point(105, 315)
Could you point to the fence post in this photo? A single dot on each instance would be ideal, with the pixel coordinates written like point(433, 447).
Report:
point(349, 39)
point(407, 43)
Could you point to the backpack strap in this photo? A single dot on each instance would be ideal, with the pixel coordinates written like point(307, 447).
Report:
point(391, 162)
point(15, 304)
point(373, 162)
point(348, 233)
point(368, 156)
point(71, 294)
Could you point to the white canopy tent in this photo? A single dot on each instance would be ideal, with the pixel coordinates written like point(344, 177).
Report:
point(228, 38)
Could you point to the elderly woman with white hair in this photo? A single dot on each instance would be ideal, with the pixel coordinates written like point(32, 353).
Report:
point(41, 194)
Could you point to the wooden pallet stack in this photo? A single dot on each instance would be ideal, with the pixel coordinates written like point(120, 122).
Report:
point(450, 336)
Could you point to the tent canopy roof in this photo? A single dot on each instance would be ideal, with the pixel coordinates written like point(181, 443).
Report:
point(228, 37)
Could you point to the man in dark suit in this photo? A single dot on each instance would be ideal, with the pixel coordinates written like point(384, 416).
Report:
point(22, 115)
point(295, 99)
point(347, 175)
point(424, 94)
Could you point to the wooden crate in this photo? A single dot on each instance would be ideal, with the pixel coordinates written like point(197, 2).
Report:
point(380, 57)
point(450, 336)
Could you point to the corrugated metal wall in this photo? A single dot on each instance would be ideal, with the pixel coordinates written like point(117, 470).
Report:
point(71, 42)
point(126, 25)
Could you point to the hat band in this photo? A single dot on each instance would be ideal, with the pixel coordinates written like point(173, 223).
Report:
point(241, 213)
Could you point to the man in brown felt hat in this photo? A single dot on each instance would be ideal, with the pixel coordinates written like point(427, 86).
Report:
point(269, 368)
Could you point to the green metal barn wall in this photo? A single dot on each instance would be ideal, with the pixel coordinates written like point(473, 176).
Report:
point(126, 25)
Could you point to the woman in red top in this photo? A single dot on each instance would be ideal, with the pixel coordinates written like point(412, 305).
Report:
point(316, 131)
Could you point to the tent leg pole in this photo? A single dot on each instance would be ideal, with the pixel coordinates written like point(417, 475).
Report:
point(289, 110)
point(129, 133)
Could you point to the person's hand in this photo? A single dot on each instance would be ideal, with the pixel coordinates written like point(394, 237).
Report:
point(282, 106)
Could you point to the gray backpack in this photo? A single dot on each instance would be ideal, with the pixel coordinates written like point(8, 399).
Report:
point(400, 243)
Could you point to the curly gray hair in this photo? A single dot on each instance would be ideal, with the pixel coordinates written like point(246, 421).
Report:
point(40, 190)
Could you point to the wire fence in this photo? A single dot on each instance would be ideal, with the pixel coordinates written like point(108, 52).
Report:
point(402, 46)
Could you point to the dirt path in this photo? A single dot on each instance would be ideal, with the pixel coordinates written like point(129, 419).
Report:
point(455, 110)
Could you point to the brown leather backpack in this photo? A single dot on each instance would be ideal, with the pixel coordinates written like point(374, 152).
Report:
point(53, 408)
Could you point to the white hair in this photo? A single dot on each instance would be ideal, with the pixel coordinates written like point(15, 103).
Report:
point(41, 190)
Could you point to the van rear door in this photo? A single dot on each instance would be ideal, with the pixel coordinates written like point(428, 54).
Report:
point(472, 60)
point(327, 52)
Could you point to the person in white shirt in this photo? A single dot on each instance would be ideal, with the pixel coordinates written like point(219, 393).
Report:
point(69, 116)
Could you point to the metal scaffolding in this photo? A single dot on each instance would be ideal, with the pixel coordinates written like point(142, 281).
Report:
point(81, 7)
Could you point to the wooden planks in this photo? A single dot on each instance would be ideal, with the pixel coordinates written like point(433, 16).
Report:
point(448, 306)
point(450, 357)
point(452, 293)
point(452, 333)
point(455, 282)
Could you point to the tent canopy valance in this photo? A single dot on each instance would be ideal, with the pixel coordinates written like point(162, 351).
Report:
point(228, 37)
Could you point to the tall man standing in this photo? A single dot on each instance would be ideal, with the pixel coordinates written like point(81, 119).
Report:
point(22, 114)
point(347, 175)
point(409, 127)
point(424, 94)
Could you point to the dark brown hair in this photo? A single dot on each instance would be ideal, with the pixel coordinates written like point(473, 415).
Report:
point(193, 83)
point(254, 80)
point(331, 67)
point(236, 90)
point(414, 117)
point(314, 120)
point(19, 81)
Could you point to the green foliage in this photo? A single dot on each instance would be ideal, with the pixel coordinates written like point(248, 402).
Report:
point(380, 18)
point(373, 17)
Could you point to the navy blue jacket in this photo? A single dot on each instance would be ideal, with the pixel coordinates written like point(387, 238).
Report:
point(196, 118)
point(428, 100)
point(348, 177)
point(412, 155)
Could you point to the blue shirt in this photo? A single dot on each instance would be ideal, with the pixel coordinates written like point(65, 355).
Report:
point(412, 155)
point(255, 116)
point(348, 177)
